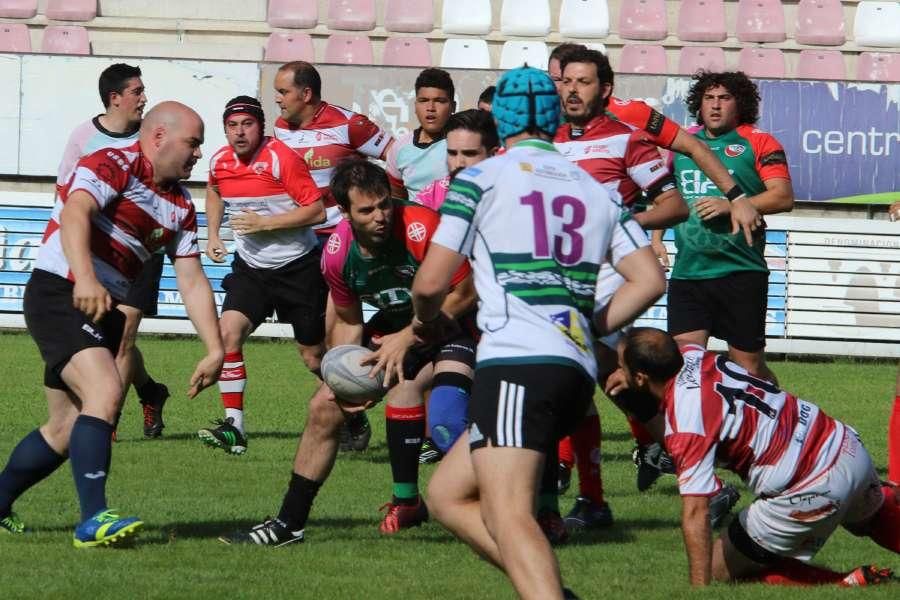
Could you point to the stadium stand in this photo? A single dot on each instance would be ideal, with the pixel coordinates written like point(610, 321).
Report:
point(407, 52)
point(702, 21)
point(71, 10)
point(525, 17)
point(293, 14)
point(517, 53)
point(643, 58)
point(764, 63)
point(821, 64)
point(584, 18)
point(349, 50)
point(877, 24)
point(643, 20)
point(14, 37)
point(695, 58)
point(465, 54)
point(66, 39)
point(352, 15)
point(18, 9)
point(878, 66)
point(409, 16)
point(760, 21)
point(820, 23)
point(285, 47)
point(467, 17)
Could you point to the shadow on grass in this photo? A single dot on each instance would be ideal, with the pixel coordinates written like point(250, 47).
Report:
point(272, 435)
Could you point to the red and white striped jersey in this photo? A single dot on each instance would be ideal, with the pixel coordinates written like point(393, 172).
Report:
point(718, 414)
point(660, 130)
point(85, 139)
point(274, 181)
point(617, 155)
point(334, 134)
point(135, 220)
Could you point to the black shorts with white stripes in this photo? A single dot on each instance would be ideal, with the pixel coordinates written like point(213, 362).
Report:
point(527, 405)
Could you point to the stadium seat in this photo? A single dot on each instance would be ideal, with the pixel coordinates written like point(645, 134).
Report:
point(285, 47)
point(878, 66)
point(584, 18)
point(516, 53)
point(643, 20)
point(760, 21)
point(764, 63)
point(407, 52)
point(409, 16)
point(345, 49)
point(820, 23)
point(643, 59)
point(71, 10)
point(66, 39)
point(525, 17)
point(598, 47)
point(18, 9)
point(821, 64)
point(696, 58)
point(877, 24)
point(465, 54)
point(470, 17)
point(702, 21)
point(353, 15)
point(14, 37)
point(294, 14)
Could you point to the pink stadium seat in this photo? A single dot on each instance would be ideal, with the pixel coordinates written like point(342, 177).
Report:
point(640, 58)
point(643, 20)
point(695, 58)
point(355, 15)
point(820, 22)
point(821, 64)
point(407, 52)
point(764, 63)
point(14, 37)
point(66, 39)
point(878, 66)
point(285, 47)
point(760, 21)
point(294, 14)
point(409, 16)
point(702, 21)
point(18, 9)
point(349, 50)
point(71, 10)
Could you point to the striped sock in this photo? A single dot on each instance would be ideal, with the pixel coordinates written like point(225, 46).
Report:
point(232, 382)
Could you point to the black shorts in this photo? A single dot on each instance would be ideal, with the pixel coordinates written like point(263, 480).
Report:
point(527, 405)
point(59, 329)
point(731, 308)
point(296, 292)
point(144, 292)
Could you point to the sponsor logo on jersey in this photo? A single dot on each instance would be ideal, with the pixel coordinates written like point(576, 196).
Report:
point(333, 244)
point(319, 162)
point(733, 150)
point(92, 332)
point(526, 167)
point(119, 160)
point(620, 102)
point(567, 322)
point(259, 167)
point(655, 122)
point(774, 158)
point(596, 149)
point(158, 233)
point(416, 231)
point(407, 271)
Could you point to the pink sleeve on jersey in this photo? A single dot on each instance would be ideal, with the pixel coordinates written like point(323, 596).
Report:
point(334, 256)
point(73, 152)
point(298, 183)
point(434, 194)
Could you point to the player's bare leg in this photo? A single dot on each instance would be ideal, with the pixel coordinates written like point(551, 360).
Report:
point(508, 480)
point(453, 500)
point(62, 409)
point(317, 449)
point(125, 358)
point(312, 356)
point(754, 362)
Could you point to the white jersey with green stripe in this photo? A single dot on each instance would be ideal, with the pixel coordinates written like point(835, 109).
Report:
point(537, 228)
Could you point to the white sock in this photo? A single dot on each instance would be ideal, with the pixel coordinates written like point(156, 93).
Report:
point(237, 416)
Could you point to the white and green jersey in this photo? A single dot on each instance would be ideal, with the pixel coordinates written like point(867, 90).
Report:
point(537, 227)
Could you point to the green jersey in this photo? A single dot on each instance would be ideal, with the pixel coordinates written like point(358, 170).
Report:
point(707, 249)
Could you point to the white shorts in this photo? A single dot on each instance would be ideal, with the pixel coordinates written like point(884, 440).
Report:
point(798, 523)
point(608, 281)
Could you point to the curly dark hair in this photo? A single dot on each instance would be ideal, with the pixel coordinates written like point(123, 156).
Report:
point(745, 93)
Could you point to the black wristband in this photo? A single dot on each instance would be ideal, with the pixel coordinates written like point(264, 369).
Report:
point(734, 193)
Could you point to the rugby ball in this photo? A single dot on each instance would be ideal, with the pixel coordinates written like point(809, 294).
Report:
point(348, 379)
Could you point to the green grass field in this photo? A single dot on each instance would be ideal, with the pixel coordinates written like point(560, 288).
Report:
point(188, 495)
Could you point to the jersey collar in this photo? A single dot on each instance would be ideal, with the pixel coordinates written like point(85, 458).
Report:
point(536, 143)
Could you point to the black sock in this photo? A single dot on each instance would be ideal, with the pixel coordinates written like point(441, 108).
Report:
point(90, 452)
point(405, 428)
point(30, 461)
point(298, 501)
point(548, 493)
point(147, 390)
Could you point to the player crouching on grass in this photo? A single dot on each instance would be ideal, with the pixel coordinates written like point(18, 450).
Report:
point(809, 471)
point(372, 257)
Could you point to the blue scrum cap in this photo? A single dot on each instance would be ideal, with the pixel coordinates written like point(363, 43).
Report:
point(525, 99)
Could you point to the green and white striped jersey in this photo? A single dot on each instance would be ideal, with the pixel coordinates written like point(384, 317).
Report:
point(537, 227)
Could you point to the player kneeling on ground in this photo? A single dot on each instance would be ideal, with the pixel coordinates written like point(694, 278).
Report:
point(809, 471)
point(373, 257)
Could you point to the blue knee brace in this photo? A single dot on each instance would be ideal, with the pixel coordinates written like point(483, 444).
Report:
point(447, 408)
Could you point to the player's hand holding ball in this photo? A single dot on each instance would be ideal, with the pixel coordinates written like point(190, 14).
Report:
point(350, 381)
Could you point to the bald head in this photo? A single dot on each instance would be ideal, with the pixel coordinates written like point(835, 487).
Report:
point(652, 352)
point(171, 136)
